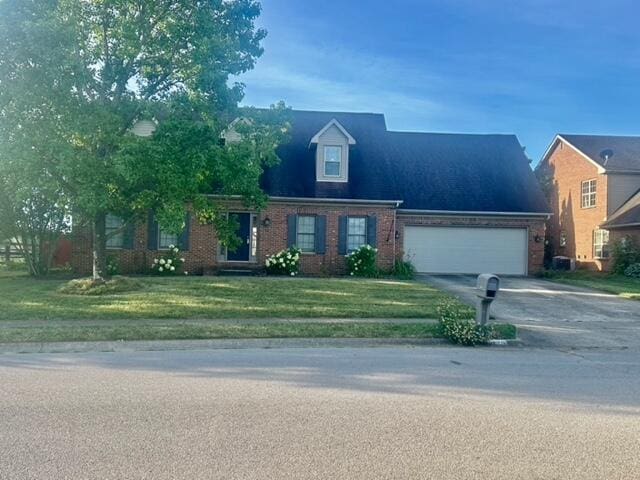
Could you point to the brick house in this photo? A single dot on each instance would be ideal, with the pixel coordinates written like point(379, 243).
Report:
point(594, 194)
point(450, 203)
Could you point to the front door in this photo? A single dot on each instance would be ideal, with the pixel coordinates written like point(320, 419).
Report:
point(241, 254)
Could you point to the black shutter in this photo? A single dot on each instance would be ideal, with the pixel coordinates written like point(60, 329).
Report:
point(128, 236)
point(372, 230)
point(152, 232)
point(184, 238)
point(292, 227)
point(342, 234)
point(321, 234)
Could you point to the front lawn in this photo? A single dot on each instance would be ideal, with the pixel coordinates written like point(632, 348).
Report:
point(24, 298)
point(617, 284)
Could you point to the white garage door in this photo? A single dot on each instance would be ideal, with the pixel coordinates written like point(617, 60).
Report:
point(467, 250)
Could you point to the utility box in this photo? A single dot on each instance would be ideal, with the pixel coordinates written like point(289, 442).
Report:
point(487, 287)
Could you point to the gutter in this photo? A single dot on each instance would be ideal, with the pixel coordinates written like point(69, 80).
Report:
point(623, 225)
point(349, 201)
point(313, 200)
point(449, 213)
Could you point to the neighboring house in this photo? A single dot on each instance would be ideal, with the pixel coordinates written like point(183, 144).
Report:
point(450, 203)
point(593, 186)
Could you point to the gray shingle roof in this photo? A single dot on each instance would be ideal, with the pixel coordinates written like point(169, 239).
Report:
point(627, 214)
point(623, 152)
point(428, 171)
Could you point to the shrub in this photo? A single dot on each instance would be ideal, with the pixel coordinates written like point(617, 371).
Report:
point(457, 324)
point(88, 286)
point(113, 265)
point(362, 262)
point(633, 270)
point(403, 270)
point(285, 262)
point(625, 253)
point(170, 263)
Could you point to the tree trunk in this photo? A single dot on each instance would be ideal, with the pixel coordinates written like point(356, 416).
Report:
point(99, 244)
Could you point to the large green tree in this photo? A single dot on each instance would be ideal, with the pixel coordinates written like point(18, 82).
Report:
point(77, 75)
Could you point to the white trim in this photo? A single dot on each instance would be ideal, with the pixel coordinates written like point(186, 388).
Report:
point(336, 123)
point(559, 137)
point(448, 213)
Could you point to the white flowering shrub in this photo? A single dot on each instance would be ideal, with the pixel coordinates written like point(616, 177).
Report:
point(362, 262)
point(285, 262)
point(170, 263)
point(458, 326)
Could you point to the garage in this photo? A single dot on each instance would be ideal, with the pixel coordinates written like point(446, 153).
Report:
point(466, 249)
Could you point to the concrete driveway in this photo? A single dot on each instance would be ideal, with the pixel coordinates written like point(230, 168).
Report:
point(555, 315)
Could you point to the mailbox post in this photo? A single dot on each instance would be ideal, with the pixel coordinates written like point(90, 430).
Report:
point(487, 287)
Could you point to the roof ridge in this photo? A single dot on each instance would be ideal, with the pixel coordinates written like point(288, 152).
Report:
point(415, 132)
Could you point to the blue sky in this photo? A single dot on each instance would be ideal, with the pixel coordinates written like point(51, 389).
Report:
point(529, 67)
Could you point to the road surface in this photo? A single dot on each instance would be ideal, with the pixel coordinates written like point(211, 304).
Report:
point(388, 413)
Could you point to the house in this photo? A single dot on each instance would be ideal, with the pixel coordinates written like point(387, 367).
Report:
point(450, 203)
point(594, 194)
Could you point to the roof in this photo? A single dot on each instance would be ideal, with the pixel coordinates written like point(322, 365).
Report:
point(613, 153)
point(627, 215)
point(427, 171)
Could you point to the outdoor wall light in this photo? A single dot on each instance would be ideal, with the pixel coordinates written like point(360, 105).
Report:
point(266, 222)
point(537, 239)
point(397, 235)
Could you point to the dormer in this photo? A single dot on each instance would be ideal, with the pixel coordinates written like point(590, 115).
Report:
point(231, 134)
point(332, 152)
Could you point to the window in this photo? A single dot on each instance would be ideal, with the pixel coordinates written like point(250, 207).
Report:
point(589, 194)
point(306, 233)
point(166, 239)
point(356, 233)
point(114, 231)
point(601, 243)
point(332, 161)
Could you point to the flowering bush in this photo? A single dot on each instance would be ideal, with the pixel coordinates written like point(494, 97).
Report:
point(168, 264)
point(362, 262)
point(285, 262)
point(458, 326)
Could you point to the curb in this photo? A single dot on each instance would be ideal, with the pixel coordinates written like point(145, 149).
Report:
point(216, 344)
point(516, 342)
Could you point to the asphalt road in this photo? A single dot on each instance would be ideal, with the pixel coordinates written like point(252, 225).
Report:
point(555, 315)
point(392, 413)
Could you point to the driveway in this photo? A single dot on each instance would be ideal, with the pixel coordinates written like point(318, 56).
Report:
point(555, 315)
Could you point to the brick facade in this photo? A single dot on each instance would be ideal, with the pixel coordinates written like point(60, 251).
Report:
point(203, 254)
point(535, 228)
point(568, 169)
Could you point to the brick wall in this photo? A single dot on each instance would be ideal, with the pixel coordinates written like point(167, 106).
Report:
point(569, 169)
point(203, 252)
point(536, 228)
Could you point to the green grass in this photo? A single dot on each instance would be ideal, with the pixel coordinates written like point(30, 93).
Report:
point(221, 331)
point(24, 298)
point(217, 308)
point(182, 331)
point(617, 284)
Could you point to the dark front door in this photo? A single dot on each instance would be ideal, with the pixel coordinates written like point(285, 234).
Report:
point(241, 254)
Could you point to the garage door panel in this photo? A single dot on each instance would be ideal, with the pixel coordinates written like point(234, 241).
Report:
point(466, 250)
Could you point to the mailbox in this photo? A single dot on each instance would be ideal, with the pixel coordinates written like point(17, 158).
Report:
point(487, 286)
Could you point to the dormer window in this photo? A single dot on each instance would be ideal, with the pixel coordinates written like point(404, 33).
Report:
point(332, 160)
point(332, 145)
